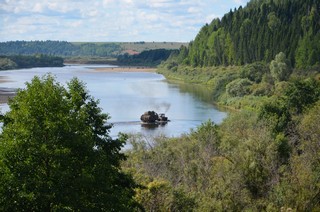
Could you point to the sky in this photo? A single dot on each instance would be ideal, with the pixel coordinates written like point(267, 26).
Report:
point(109, 20)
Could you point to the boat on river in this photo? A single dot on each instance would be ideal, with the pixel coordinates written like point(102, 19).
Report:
point(153, 118)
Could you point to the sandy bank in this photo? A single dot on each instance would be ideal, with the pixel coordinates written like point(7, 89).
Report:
point(126, 69)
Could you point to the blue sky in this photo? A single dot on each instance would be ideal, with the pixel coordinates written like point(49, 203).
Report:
point(109, 20)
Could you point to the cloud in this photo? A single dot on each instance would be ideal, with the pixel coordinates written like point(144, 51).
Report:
point(108, 20)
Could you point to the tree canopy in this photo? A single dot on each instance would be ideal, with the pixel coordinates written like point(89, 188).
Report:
point(56, 152)
point(258, 32)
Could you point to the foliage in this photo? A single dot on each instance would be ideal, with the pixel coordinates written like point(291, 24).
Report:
point(279, 68)
point(146, 58)
point(258, 32)
point(7, 64)
point(239, 87)
point(39, 60)
point(56, 153)
point(267, 161)
point(82, 49)
point(59, 48)
point(300, 94)
point(254, 71)
point(266, 156)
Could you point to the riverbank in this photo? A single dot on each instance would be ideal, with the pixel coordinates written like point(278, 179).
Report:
point(125, 69)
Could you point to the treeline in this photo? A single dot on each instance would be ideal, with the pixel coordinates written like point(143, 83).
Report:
point(28, 61)
point(258, 32)
point(59, 48)
point(146, 58)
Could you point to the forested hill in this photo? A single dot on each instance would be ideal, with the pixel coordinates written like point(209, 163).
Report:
point(59, 48)
point(82, 49)
point(258, 32)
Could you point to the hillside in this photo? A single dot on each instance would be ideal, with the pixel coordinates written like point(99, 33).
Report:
point(82, 49)
point(258, 32)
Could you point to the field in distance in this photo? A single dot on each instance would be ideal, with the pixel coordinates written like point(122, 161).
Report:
point(137, 47)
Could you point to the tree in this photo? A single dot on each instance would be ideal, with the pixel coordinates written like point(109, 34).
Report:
point(239, 87)
point(279, 68)
point(56, 152)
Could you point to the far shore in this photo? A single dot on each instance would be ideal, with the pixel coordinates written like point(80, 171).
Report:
point(126, 69)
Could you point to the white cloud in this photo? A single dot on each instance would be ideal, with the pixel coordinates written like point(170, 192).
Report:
point(108, 20)
point(38, 8)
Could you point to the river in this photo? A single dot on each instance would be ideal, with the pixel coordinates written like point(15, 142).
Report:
point(125, 96)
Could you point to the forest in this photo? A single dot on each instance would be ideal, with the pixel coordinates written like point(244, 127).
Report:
point(29, 61)
point(146, 58)
point(258, 32)
point(82, 49)
point(59, 48)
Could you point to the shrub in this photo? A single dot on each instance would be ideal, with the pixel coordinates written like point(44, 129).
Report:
point(239, 87)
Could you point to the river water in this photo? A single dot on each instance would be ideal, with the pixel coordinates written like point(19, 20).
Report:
point(125, 96)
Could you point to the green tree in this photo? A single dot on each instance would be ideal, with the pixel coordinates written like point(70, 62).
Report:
point(56, 152)
point(301, 94)
point(239, 87)
point(279, 68)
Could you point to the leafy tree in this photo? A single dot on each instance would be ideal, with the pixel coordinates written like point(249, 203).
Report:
point(279, 68)
point(301, 94)
point(254, 71)
point(239, 87)
point(56, 152)
point(6, 64)
point(273, 21)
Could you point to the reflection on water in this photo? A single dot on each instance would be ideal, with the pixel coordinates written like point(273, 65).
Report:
point(125, 96)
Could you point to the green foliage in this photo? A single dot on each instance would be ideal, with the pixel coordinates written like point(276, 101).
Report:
point(258, 32)
point(56, 153)
point(254, 71)
point(7, 64)
point(300, 94)
point(276, 112)
point(146, 58)
point(265, 160)
point(262, 89)
point(39, 60)
point(273, 21)
point(239, 87)
point(160, 196)
point(299, 188)
point(83, 49)
point(280, 71)
point(59, 48)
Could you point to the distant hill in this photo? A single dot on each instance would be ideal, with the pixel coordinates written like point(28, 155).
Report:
point(29, 61)
point(146, 58)
point(74, 49)
point(258, 32)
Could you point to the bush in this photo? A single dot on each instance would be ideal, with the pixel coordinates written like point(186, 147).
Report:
point(239, 87)
point(254, 71)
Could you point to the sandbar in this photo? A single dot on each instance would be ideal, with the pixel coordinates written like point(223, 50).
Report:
point(126, 69)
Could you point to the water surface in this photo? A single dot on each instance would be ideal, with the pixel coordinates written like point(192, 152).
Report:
point(125, 96)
